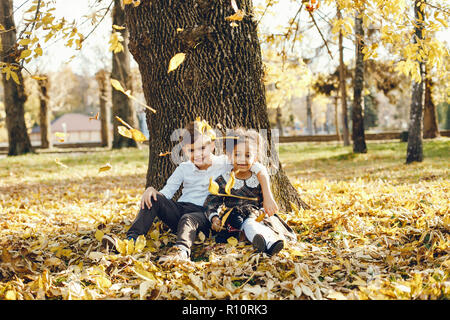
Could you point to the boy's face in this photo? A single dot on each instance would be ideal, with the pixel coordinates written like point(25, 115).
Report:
point(243, 157)
point(200, 151)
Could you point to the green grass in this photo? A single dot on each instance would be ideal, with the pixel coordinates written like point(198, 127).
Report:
point(331, 161)
point(384, 160)
point(82, 163)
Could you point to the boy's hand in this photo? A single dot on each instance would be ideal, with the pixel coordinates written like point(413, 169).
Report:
point(270, 206)
point(215, 224)
point(146, 200)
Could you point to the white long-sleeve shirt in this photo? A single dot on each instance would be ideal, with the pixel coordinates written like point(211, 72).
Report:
point(196, 182)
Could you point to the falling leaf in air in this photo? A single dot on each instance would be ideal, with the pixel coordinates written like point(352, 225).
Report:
point(95, 117)
point(118, 27)
point(61, 136)
point(118, 86)
point(39, 78)
point(131, 133)
point(60, 163)
point(175, 62)
point(238, 16)
point(106, 167)
point(124, 132)
point(163, 154)
point(137, 135)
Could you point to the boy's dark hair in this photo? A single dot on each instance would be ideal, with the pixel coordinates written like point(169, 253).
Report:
point(193, 130)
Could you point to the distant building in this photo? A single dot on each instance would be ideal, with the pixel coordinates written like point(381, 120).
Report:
point(76, 128)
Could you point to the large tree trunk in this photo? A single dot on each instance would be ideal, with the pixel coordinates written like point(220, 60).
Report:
point(14, 94)
point(220, 80)
point(359, 142)
point(121, 105)
point(343, 88)
point(44, 113)
point(430, 122)
point(414, 151)
point(105, 114)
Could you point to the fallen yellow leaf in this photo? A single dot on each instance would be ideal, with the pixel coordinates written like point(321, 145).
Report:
point(232, 241)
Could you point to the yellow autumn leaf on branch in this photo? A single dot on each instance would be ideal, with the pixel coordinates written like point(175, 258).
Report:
point(175, 62)
point(25, 54)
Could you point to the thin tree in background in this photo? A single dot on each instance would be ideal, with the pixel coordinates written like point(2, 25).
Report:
point(343, 87)
point(44, 113)
point(359, 143)
point(105, 112)
point(430, 120)
point(414, 151)
point(13, 88)
point(122, 106)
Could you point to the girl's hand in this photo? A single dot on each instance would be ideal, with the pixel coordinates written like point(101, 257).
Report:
point(270, 206)
point(146, 200)
point(215, 224)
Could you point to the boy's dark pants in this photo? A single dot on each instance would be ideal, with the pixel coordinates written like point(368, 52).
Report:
point(184, 217)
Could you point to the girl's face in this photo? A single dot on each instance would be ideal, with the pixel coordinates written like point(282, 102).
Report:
point(243, 157)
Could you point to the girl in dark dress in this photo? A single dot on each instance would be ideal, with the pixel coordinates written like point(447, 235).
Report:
point(234, 206)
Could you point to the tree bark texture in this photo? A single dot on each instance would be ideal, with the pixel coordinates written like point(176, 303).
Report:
point(359, 142)
point(220, 79)
point(414, 150)
point(44, 113)
point(430, 121)
point(343, 88)
point(14, 94)
point(122, 106)
point(105, 112)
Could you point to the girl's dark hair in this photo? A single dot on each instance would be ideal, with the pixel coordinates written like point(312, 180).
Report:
point(241, 135)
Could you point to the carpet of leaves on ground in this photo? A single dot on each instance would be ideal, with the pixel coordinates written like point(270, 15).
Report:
point(376, 229)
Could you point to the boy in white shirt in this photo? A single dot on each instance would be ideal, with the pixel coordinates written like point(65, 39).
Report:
point(194, 175)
